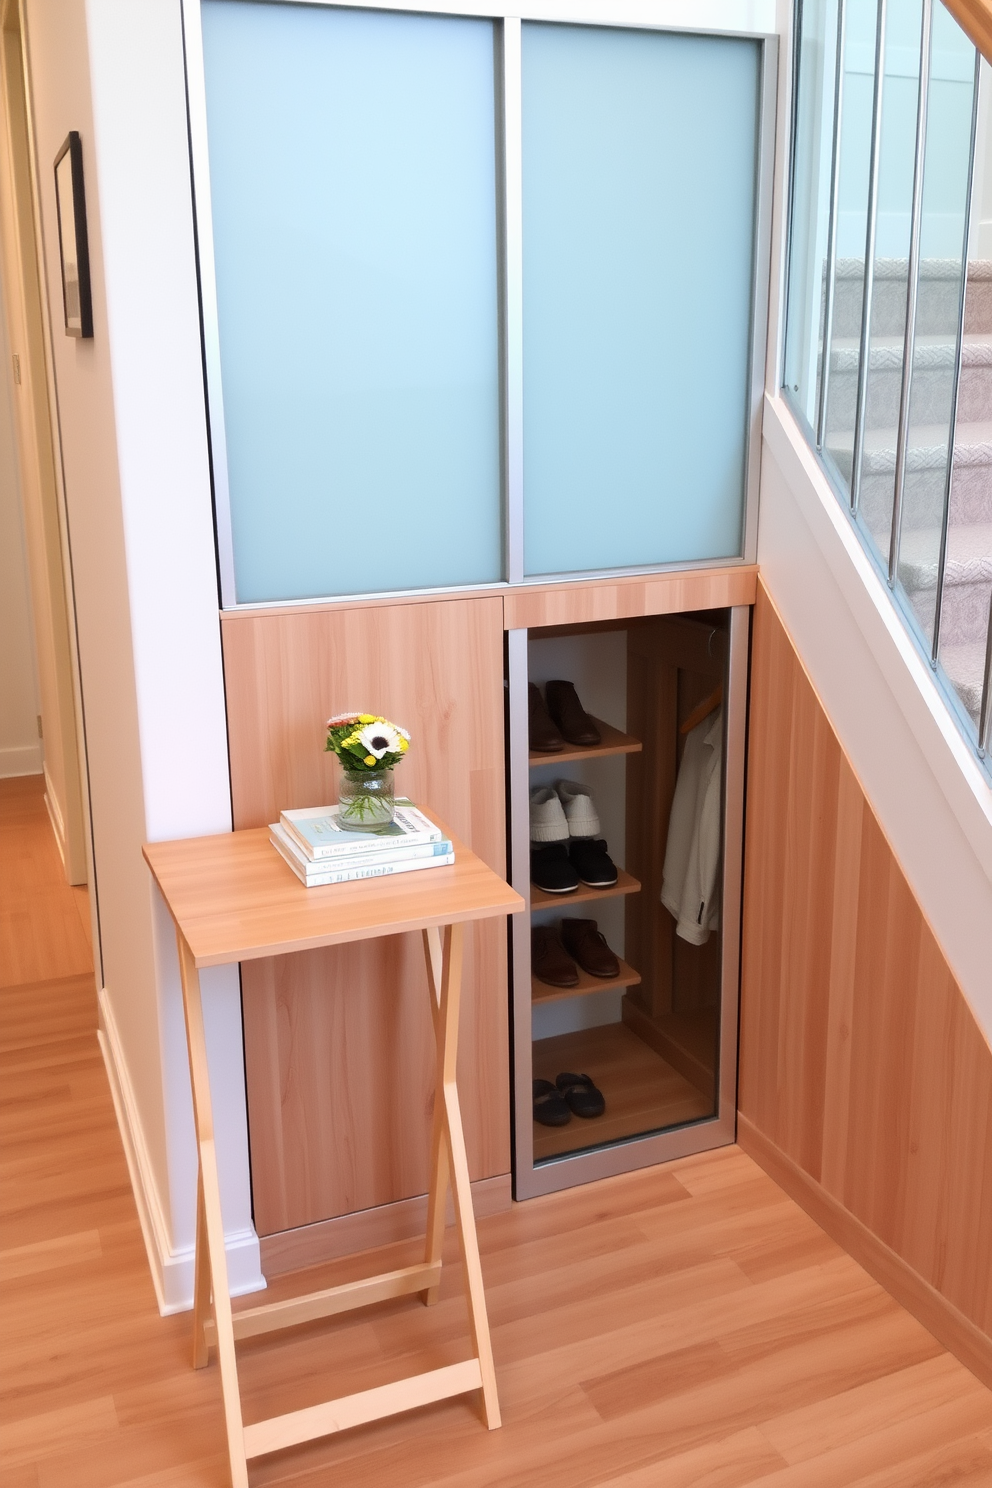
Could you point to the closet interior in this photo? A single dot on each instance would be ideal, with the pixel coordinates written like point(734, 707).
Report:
point(625, 970)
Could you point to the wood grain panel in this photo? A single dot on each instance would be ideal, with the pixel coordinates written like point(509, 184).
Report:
point(576, 603)
point(860, 1061)
point(371, 1229)
point(337, 1041)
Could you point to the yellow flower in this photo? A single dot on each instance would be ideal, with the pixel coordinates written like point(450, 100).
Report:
point(368, 718)
point(370, 759)
point(404, 745)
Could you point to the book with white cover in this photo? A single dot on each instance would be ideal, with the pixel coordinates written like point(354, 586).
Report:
point(401, 853)
point(316, 830)
point(316, 875)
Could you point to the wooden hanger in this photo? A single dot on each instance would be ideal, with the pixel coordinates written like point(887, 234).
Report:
point(703, 710)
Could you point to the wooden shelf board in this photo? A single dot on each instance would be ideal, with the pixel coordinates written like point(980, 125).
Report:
point(613, 741)
point(625, 884)
point(643, 1092)
point(542, 992)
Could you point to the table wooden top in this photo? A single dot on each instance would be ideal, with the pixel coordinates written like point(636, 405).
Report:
point(234, 899)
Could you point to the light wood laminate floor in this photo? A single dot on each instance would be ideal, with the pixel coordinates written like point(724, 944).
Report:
point(683, 1327)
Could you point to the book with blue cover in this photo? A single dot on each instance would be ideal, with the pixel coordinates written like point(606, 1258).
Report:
point(315, 830)
point(361, 864)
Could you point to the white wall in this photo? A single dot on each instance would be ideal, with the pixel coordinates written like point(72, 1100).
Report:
point(20, 746)
point(131, 413)
point(931, 798)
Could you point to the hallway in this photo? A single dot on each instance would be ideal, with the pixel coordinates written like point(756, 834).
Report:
point(674, 1328)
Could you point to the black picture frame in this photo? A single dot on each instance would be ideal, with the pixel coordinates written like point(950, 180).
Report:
point(74, 255)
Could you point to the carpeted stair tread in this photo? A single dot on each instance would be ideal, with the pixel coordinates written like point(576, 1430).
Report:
point(928, 450)
point(969, 556)
point(930, 352)
point(964, 663)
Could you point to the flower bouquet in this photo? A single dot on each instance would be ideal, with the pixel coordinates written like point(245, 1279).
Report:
point(368, 747)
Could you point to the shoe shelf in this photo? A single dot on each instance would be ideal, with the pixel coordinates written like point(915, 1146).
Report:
point(544, 992)
point(612, 741)
point(541, 899)
point(643, 1092)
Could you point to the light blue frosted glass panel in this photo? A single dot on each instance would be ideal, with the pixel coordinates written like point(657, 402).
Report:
point(639, 200)
point(352, 170)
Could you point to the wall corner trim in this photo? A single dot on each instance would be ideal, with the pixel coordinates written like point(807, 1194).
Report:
point(171, 1270)
point(950, 1327)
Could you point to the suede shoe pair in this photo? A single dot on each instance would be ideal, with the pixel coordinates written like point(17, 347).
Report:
point(558, 718)
point(554, 954)
point(558, 869)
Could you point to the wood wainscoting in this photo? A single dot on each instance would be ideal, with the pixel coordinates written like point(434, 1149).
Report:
point(865, 1082)
point(338, 1042)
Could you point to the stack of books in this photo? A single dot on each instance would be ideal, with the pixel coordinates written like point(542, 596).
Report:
point(319, 851)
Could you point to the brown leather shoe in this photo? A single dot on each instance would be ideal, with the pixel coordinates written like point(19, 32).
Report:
point(544, 736)
point(569, 714)
point(584, 940)
point(548, 960)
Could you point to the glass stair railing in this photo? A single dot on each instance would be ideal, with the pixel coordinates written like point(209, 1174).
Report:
point(889, 332)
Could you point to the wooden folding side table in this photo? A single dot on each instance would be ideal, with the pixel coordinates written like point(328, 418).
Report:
point(233, 899)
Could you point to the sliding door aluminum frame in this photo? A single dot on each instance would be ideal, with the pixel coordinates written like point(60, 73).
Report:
point(912, 293)
point(871, 232)
point(680, 1141)
point(653, 15)
point(830, 286)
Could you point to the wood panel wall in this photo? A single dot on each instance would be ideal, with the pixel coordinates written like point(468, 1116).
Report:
point(865, 1082)
point(337, 1042)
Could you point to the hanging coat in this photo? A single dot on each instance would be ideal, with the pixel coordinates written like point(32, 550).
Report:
point(690, 881)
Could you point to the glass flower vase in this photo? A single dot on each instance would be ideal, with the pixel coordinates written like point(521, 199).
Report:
point(366, 800)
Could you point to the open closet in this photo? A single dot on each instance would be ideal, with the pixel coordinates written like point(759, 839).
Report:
point(628, 849)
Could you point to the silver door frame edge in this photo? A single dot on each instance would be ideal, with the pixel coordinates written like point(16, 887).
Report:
point(571, 1169)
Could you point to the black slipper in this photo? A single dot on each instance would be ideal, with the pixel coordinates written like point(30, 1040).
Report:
point(549, 1108)
point(581, 1094)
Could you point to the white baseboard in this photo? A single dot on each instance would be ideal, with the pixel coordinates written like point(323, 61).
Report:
point(22, 760)
point(55, 815)
point(172, 1270)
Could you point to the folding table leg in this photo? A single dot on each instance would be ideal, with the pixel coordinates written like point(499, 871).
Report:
point(213, 1224)
point(446, 1032)
point(437, 1188)
point(201, 1281)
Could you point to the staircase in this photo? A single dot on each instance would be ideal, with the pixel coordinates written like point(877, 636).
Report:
point(968, 569)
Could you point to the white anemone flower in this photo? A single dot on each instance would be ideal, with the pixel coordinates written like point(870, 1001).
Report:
point(379, 739)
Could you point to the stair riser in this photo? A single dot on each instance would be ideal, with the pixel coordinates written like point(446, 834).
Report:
point(923, 505)
point(936, 307)
point(965, 611)
point(930, 400)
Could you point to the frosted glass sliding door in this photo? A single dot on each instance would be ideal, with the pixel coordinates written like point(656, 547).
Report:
point(639, 189)
point(353, 180)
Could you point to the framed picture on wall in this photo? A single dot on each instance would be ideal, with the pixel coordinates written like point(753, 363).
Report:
point(73, 247)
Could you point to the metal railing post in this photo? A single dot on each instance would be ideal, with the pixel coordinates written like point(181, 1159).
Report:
point(869, 279)
point(956, 384)
point(912, 292)
point(985, 713)
point(831, 265)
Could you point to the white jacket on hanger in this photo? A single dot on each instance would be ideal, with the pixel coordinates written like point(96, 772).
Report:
point(690, 887)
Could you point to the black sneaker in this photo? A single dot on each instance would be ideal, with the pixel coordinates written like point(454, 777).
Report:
point(589, 858)
point(550, 869)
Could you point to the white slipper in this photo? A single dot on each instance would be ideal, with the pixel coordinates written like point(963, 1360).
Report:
point(580, 813)
point(547, 819)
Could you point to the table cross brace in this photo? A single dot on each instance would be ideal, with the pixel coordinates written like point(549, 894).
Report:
point(213, 1321)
